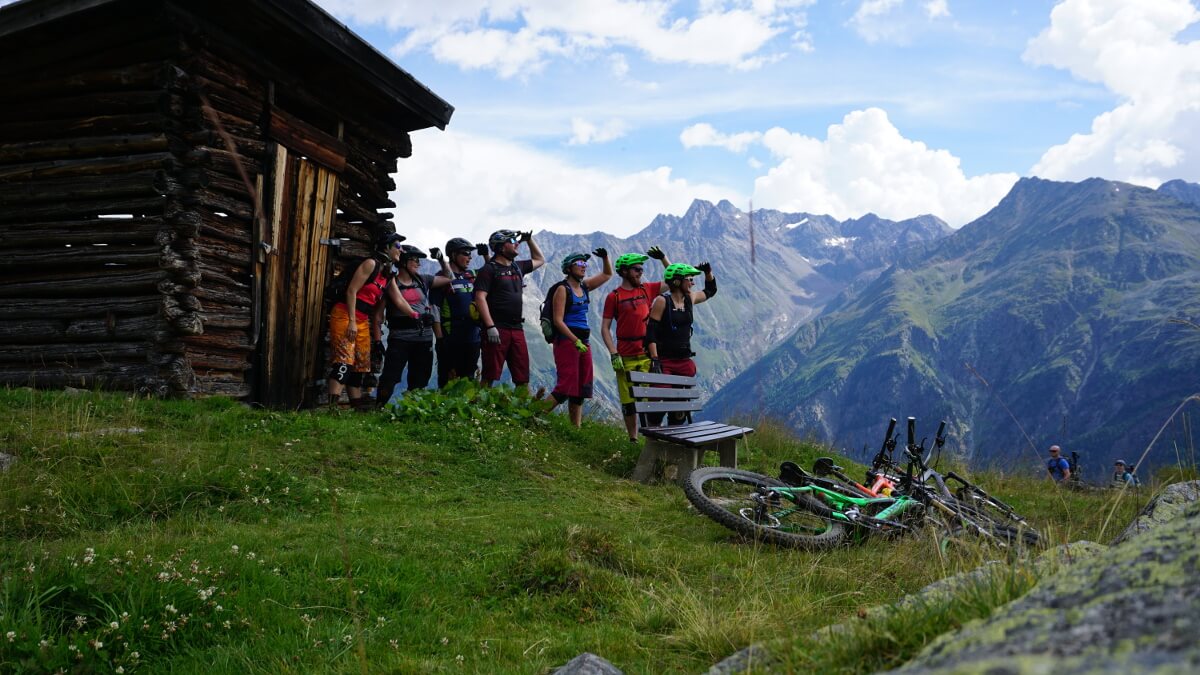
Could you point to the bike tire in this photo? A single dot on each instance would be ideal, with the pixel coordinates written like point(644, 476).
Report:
point(725, 494)
point(982, 523)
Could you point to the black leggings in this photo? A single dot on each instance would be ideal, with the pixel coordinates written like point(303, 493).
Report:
point(418, 356)
point(461, 360)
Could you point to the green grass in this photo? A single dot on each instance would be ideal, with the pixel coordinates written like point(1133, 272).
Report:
point(222, 538)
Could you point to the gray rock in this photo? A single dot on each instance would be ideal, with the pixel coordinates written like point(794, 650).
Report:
point(6, 461)
point(751, 659)
point(1130, 608)
point(588, 664)
point(73, 391)
point(1166, 505)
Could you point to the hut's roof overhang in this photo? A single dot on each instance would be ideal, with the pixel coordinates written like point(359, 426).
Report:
point(292, 32)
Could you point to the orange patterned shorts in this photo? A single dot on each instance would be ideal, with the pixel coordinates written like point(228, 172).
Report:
point(356, 354)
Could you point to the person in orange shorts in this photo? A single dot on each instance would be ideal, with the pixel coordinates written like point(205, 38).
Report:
point(351, 341)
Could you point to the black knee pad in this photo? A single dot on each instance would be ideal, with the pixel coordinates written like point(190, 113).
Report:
point(355, 379)
point(628, 409)
point(370, 380)
point(339, 372)
point(575, 400)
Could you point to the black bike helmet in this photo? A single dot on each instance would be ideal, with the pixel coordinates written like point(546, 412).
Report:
point(458, 244)
point(410, 253)
point(501, 237)
point(386, 240)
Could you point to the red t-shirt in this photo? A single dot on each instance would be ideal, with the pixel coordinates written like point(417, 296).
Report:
point(631, 309)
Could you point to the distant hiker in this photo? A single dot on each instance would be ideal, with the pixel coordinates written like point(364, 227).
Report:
point(1123, 475)
point(569, 302)
point(1119, 473)
point(351, 336)
point(629, 304)
point(498, 286)
point(1057, 466)
point(669, 331)
point(410, 319)
point(458, 332)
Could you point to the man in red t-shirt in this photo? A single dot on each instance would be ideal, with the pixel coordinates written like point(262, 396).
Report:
point(629, 303)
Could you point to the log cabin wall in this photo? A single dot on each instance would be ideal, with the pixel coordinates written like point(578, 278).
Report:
point(138, 180)
point(249, 103)
point(94, 176)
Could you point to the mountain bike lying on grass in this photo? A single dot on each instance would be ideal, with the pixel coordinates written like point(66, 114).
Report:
point(826, 508)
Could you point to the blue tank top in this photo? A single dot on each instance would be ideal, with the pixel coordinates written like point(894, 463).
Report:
point(576, 314)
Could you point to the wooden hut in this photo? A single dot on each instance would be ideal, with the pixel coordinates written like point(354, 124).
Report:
point(177, 181)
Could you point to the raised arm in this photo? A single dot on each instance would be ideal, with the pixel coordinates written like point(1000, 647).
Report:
point(660, 255)
point(710, 284)
point(535, 253)
point(444, 280)
point(597, 280)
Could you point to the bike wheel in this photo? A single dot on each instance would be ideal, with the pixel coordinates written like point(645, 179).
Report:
point(733, 498)
point(965, 518)
point(1002, 521)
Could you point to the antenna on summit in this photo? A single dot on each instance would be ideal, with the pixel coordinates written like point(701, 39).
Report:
point(751, 214)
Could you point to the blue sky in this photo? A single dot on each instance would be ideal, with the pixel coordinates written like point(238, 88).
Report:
point(584, 115)
point(600, 114)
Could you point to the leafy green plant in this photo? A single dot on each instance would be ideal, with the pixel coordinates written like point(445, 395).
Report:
point(464, 399)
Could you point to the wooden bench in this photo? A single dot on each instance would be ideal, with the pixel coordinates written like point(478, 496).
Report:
point(682, 445)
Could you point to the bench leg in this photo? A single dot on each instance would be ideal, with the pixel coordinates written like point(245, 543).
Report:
point(727, 450)
point(644, 469)
point(687, 461)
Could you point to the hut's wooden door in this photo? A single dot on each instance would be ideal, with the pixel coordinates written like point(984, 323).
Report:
point(305, 199)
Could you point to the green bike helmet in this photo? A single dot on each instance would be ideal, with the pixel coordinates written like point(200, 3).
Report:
point(571, 259)
point(679, 271)
point(629, 260)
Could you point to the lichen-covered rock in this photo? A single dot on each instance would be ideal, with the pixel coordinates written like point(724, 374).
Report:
point(1131, 608)
point(1165, 506)
point(588, 663)
point(6, 460)
point(754, 658)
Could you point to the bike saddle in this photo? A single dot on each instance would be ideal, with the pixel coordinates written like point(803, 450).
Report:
point(824, 466)
point(792, 474)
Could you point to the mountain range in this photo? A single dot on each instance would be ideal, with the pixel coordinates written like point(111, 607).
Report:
point(1047, 320)
point(800, 262)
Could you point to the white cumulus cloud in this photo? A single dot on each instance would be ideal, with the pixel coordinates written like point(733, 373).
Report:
point(936, 9)
point(865, 165)
point(704, 135)
point(584, 132)
point(1132, 48)
point(461, 185)
point(517, 36)
point(896, 21)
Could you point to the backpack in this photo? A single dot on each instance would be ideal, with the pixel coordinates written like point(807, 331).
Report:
point(547, 311)
point(335, 290)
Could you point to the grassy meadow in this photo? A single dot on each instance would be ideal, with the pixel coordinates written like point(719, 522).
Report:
point(205, 536)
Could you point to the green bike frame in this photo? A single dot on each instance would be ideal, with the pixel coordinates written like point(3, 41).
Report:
point(848, 509)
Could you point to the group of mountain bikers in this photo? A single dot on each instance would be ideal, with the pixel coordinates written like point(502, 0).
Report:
point(473, 320)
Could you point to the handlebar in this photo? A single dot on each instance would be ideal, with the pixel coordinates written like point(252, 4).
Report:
point(912, 431)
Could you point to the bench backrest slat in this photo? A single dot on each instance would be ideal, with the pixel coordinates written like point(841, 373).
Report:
point(666, 406)
point(638, 377)
point(663, 392)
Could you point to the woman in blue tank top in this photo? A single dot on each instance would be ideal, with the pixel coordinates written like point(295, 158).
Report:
point(569, 307)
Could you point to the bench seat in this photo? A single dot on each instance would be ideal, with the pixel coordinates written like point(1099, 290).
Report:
point(680, 445)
